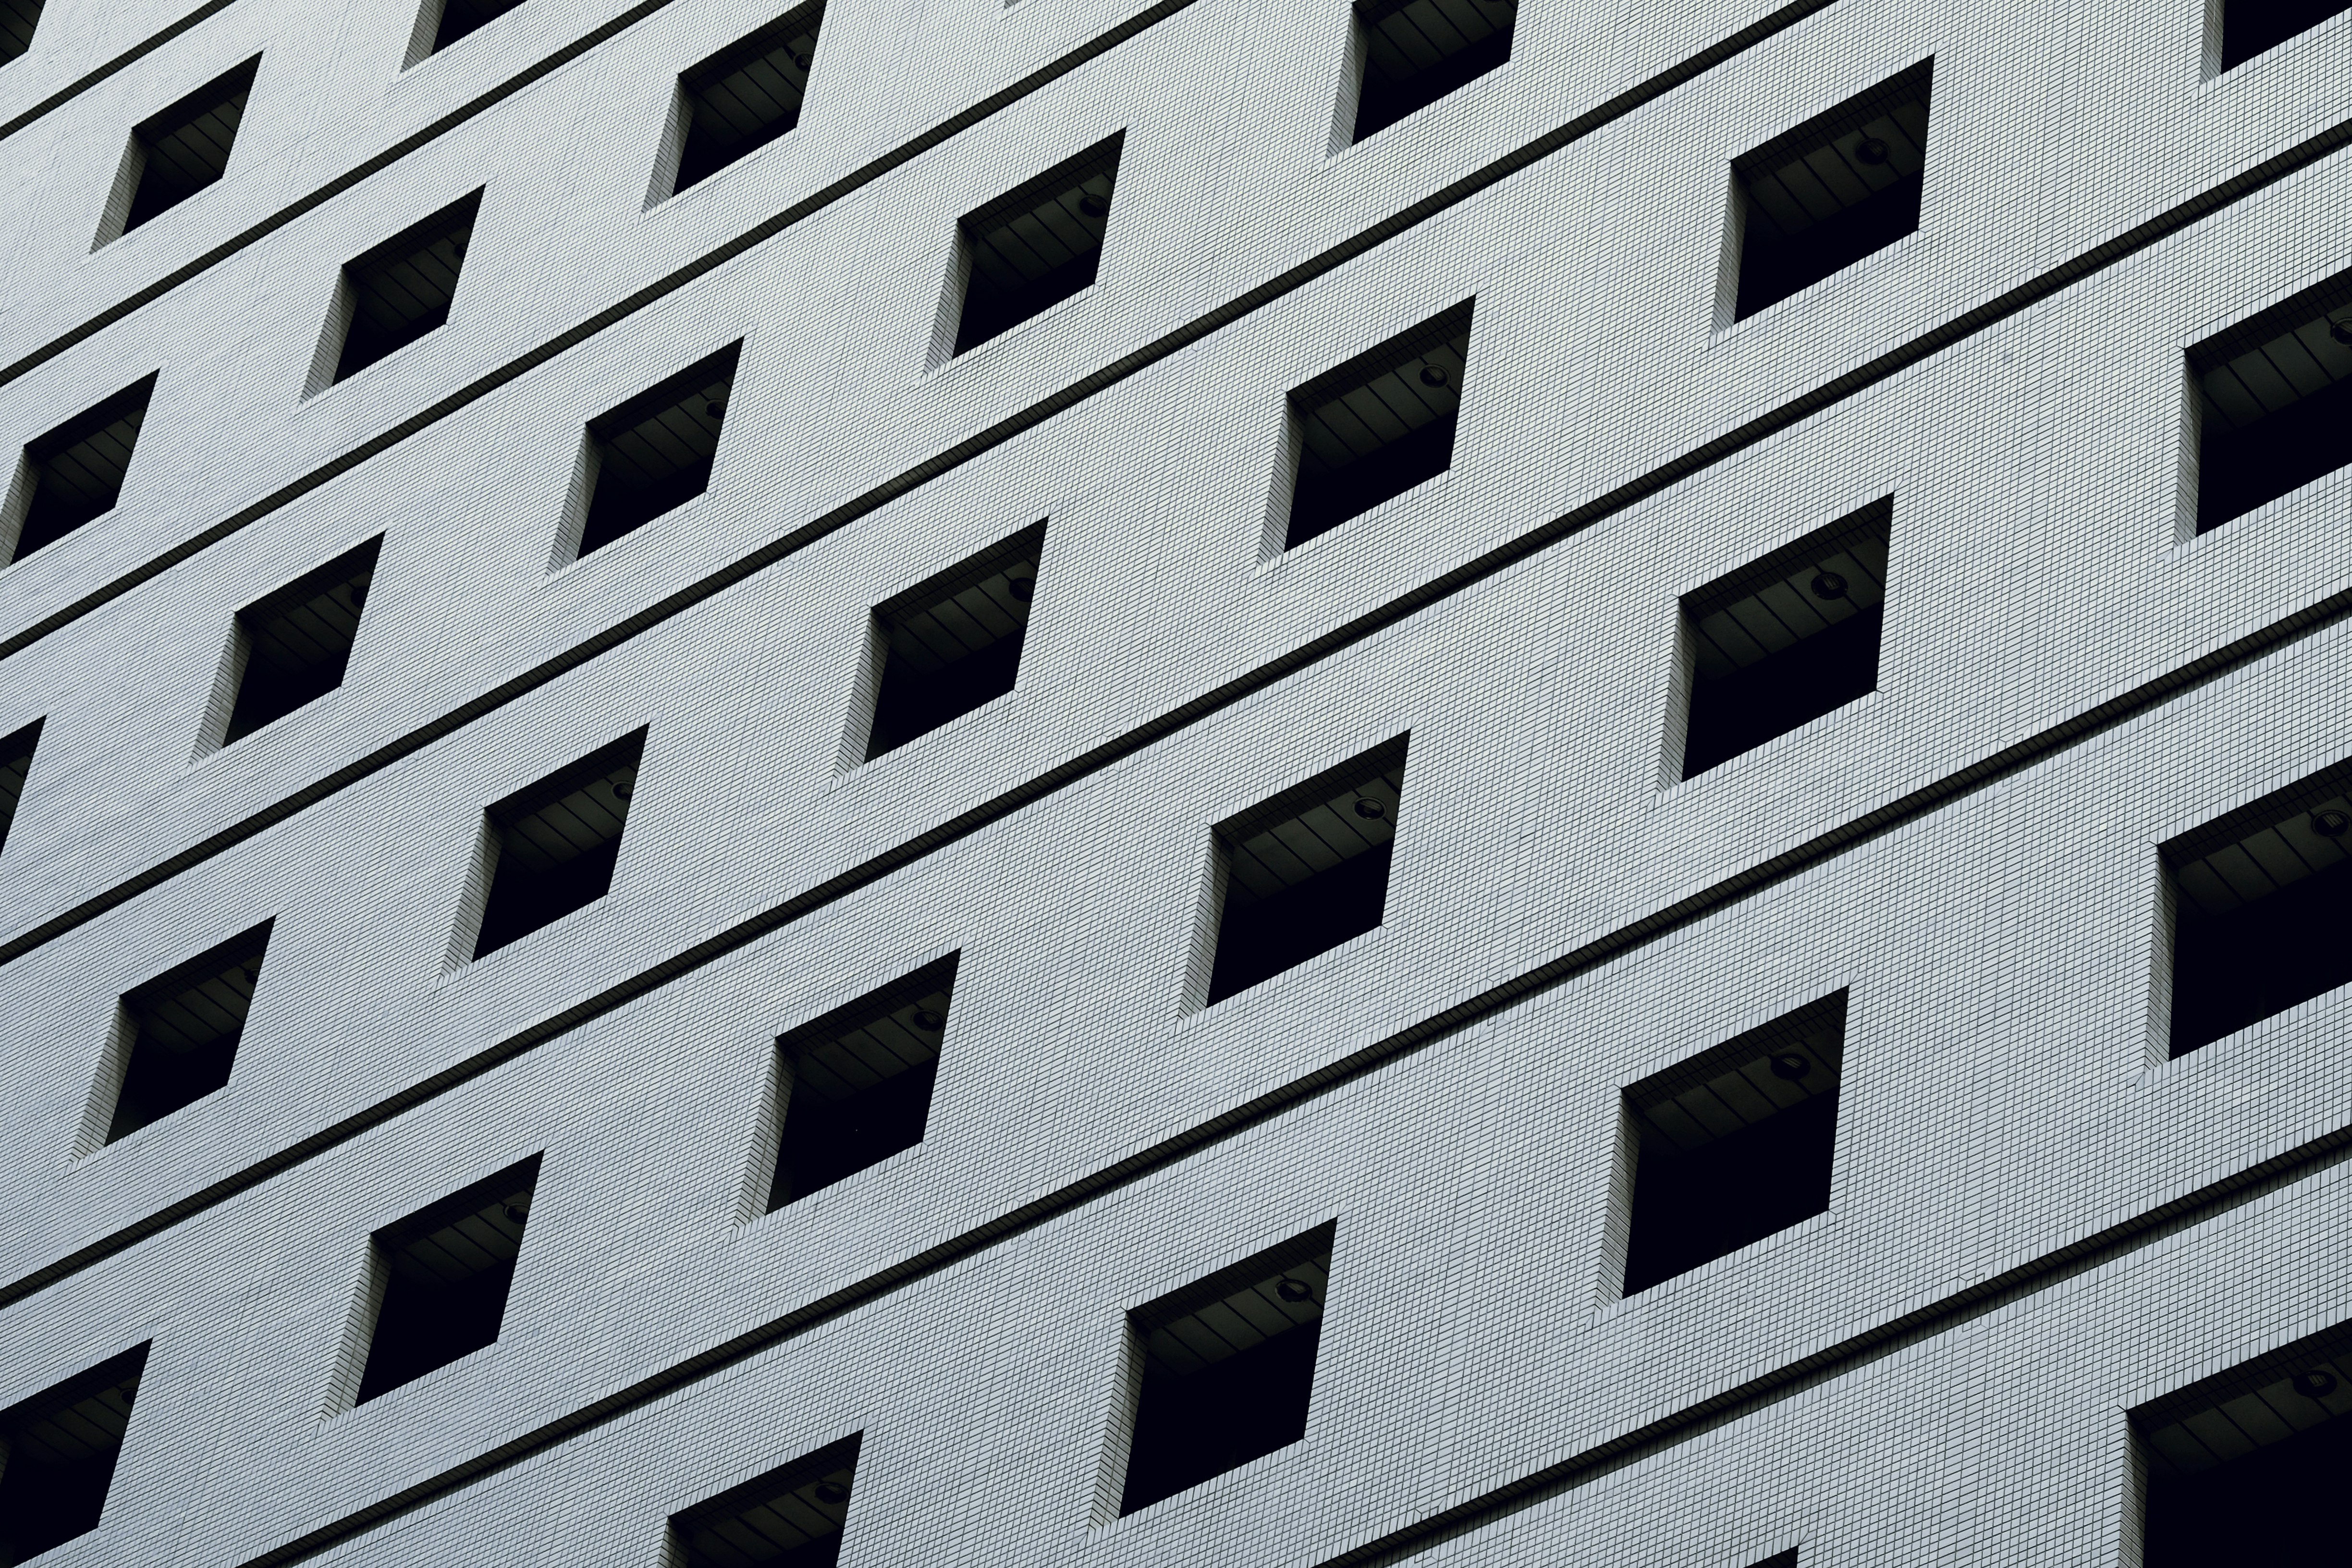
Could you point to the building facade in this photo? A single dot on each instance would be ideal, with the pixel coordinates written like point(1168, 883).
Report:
point(1219, 782)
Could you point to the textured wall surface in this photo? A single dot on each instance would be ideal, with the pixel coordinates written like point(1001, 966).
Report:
point(2039, 1223)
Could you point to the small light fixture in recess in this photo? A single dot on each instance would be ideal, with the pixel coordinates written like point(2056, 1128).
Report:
point(832, 1494)
point(2341, 332)
point(1829, 585)
point(1789, 1065)
point(2316, 1383)
point(1371, 810)
point(1094, 206)
point(1434, 375)
point(930, 1020)
point(359, 591)
point(2330, 824)
point(1022, 588)
point(1871, 149)
point(800, 59)
point(1294, 1290)
point(625, 789)
point(518, 1213)
point(715, 410)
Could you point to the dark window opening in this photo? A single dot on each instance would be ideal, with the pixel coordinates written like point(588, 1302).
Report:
point(298, 641)
point(184, 1029)
point(790, 1518)
point(15, 765)
point(2251, 27)
point(746, 96)
point(1036, 244)
point(654, 453)
point(1307, 871)
point(1734, 1144)
point(950, 644)
point(2274, 403)
point(2240, 1464)
point(19, 19)
point(74, 474)
point(1838, 187)
point(1786, 639)
point(441, 23)
point(1418, 51)
point(857, 1082)
point(402, 289)
point(1228, 1369)
point(178, 152)
point(2261, 898)
point(447, 1269)
point(554, 845)
point(1378, 425)
point(58, 1450)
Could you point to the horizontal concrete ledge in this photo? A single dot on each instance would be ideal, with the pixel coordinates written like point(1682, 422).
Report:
point(115, 67)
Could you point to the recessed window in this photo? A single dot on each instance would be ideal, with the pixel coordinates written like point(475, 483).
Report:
point(947, 645)
point(552, 848)
point(2260, 901)
point(1418, 51)
point(2240, 1464)
point(176, 153)
point(742, 98)
point(292, 649)
point(2251, 27)
point(1786, 639)
point(59, 1448)
point(1307, 871)
point(19, 19)
point(1228, 1369)
point(177, 1035)
point(650, 456)
point(396, 293)
point(1734, 1144)
point(1376, 427)
point(15, 765)
point(2273, 402)
point(446, 1271)
point(855, 1085)
point(441, 23)
point(1824, 195)
point(1032, 248)
point(790, 1518)
point(74, 474)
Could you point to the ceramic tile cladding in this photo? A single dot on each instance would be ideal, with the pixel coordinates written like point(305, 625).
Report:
point(1114, 783)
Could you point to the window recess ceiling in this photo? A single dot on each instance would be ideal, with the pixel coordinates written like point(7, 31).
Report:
point(1038, 245)
point(1844, 185)
point(792, 1516)
point(74, 474)
point(746, 95)
point(857, 1081)
point(654, 453)
point(60, 1447)
point(954, 642)
point(178, 152)
point(298, 641)
point(555, 844)
point(2274, 402)
point(185, 1028)
point(1418, 51)
point(447, 1271)
point(404, 288)
point(1374, 427)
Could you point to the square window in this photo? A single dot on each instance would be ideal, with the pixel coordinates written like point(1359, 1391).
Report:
point(1734, 1144)
point(2274, 402)
point(1418, 51)
point(951, 643)
point(855, 1086)
point(1785, 639)
point(15, 767)
point(2251, 27)
point(2259, 901)
point(74, 474)
point(1821, 197)
point(2240, 1464)
point(1305, 871)
point(1033, 247)
point(1376, 427)
point(396, 294)
point(290, 648)
point(552, 848)
point(742, 98)
point(790, 1518)
point(446, 1271)
point(1228, 1369)
point(181, 1029)
point(176, 153)
point(441, 23)
point(58, 1449)
point(650, 456)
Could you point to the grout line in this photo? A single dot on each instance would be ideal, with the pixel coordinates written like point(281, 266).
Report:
point(972, 447)
point(115, 67)
point(2231, 656)
point(482, 387)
